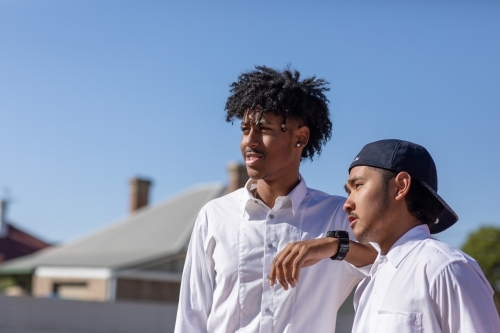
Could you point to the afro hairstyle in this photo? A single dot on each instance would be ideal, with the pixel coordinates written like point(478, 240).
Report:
point(283, 93)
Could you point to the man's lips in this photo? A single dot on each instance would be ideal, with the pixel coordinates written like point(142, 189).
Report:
point(352, 219)
point(252, 158)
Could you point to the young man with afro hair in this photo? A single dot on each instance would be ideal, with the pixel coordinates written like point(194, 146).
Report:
point(225, 285)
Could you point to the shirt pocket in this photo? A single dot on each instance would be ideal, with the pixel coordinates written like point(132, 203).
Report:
point(399, 322)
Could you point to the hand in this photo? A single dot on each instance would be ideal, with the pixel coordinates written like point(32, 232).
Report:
point(287, 264)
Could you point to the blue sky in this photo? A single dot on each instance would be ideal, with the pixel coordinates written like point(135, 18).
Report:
point(95, 92)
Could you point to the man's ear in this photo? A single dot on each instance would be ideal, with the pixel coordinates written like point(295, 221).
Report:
point(303, 135)
point(403, 183)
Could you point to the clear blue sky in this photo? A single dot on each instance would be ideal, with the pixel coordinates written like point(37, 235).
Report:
point(95, 92)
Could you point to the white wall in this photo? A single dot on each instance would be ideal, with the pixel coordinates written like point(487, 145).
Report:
point(38, 315)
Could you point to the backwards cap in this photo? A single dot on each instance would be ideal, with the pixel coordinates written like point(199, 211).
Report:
point(398, 156)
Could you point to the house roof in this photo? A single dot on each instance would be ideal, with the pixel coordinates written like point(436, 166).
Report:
point(18, 243)
point(152, 232)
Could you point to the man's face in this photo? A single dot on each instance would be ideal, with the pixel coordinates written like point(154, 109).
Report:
point(367, 204)
point(268, 152)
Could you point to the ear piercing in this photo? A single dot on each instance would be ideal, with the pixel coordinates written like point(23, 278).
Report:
point(298, 144)
point(283, 127)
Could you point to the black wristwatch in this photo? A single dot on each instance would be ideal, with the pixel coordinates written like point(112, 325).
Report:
point(343, 238)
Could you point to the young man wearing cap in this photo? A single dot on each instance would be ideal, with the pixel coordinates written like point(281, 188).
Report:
point(417, 284)
point(225, 286)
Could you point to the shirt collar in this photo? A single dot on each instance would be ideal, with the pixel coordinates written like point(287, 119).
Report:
point(406, 243)
point(296, 196)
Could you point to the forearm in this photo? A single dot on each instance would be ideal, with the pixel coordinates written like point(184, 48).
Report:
point(295, 256)
point(360, 254)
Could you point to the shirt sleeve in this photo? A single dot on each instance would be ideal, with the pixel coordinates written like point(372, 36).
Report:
point(197, 285)
point(463, 301)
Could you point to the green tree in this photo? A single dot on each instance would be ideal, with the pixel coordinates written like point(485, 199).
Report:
point(484, 246)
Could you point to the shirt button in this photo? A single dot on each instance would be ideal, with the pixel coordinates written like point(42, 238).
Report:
point(267, 310)
point(271, 216)
point(256, 201)
point(269, 245)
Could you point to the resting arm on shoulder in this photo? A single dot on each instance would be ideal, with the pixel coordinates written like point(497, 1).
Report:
point(288, 263)
point(196, 294)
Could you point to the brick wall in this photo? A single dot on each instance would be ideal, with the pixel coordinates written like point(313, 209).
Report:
point(75, 288)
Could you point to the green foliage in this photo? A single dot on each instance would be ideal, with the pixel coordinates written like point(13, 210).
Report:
point(484, 246)
point(6, 282)
point(22, 280)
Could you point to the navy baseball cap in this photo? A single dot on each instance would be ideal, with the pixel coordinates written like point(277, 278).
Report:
point(398, 156)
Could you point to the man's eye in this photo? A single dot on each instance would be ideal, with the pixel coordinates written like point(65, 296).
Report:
point(357, 185)
point(244, 129)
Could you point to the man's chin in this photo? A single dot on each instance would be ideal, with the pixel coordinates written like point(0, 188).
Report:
point(254, 174)
point(360, 235)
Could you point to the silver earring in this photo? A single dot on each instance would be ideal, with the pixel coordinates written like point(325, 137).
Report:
point(298, 144)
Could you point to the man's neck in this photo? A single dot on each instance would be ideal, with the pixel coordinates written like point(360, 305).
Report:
point(269, 191)
point(397, 230)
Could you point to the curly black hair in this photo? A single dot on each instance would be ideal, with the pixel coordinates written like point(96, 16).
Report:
point(282, 93)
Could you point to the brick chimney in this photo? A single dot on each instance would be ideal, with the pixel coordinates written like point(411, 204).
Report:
point(139, 193)
point(238, 176)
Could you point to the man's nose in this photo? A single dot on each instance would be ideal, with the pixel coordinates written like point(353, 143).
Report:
point(348, 205)
point(251, 139)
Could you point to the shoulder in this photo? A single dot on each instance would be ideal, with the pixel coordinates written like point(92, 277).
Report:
point(326, 203)
point(214, 216)
point(443, 260)
point(326, 210)
point(437, 254)
point(443, 251)
point(225, 204)
point(317, 196)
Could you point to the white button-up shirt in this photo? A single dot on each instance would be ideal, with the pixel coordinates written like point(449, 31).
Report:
point(225, 284)
point(423, 285)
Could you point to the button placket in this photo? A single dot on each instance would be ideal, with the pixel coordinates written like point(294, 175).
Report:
point(267, 297)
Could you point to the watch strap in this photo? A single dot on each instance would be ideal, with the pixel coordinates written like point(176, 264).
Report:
point(343, 239)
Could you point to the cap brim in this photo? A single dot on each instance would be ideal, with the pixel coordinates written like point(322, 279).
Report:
point(446, 219)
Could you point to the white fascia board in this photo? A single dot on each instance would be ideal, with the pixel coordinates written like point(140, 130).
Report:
point(74, 272)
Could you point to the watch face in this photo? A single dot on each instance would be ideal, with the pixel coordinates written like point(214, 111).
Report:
point(343, 234)
point(340, 234)
point(343, 239)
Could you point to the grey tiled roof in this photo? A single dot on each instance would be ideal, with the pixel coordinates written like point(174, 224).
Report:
point(152, 232)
